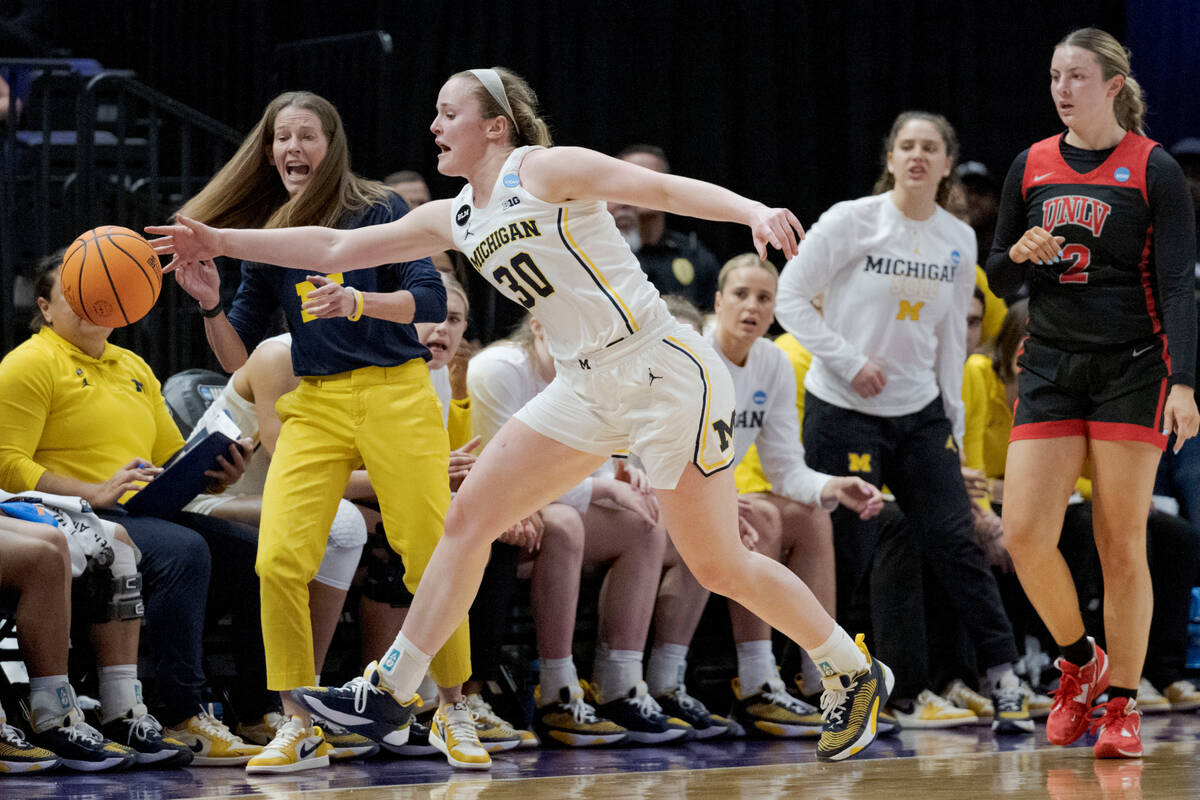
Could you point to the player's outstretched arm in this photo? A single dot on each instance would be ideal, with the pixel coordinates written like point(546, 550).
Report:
point(420, 233)
point(575, 173)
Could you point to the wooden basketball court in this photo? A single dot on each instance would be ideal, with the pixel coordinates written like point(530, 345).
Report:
point(955, 764)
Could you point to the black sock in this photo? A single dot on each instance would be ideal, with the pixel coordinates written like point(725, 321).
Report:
point(1116, 691)
point(1078, 653)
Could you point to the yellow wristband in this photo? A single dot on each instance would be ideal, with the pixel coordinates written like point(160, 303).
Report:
point(357, 313)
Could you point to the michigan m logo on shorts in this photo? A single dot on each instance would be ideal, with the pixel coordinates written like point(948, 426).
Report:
point(860, 462)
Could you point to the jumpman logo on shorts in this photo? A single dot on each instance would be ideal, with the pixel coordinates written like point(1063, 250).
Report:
point(653, 377)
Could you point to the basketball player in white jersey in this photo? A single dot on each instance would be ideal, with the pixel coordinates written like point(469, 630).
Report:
point(532, 220)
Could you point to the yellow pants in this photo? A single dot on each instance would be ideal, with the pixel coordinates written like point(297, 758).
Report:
point(384, 418)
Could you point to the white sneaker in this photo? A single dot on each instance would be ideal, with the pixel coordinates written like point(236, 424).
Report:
point(934, 711)
point(452, 732)
point(1183, 696)
point(295, 747)
point(497, 734)
point(1150, 700)
point(964, 696)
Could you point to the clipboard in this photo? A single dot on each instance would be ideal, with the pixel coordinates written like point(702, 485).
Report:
point(182, 477)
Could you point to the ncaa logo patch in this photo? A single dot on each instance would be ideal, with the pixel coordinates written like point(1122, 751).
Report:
point(512, 180)
point(955, 257)
point(760, 397)
point(462, 215)
point(1121, 174)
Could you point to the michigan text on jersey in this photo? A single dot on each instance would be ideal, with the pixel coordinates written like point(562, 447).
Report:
point(523, 229)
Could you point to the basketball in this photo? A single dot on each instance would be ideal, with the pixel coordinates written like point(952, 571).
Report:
point(111, 276)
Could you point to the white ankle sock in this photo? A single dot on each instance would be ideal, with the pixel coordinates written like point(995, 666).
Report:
point(666, 667)
point(838, 655)
point(553, 675)
point(756, 665)
point(403, 668)
point(50, 699)
point(1003, 676)
point(616, 673)
point(120, 691)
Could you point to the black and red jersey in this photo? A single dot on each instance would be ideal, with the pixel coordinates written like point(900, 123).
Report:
point(1120, 280)
point(1100, 292)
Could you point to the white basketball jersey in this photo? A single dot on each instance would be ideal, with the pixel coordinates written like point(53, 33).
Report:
point(566, 263)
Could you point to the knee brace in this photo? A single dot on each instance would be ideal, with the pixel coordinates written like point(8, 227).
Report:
point(385, 572)
point(111, 584)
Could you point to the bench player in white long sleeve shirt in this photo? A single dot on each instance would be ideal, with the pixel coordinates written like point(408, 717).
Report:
point(765, 414)
point(884, 392)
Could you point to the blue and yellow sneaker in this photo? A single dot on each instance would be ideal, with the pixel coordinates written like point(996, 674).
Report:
point(571, 721)
point(364, 706)
point(496, 734)
point(294, 748)
point(143, 734)
point(18, 755)
point(642, 717)
point(773, 711)
point(81, 747)
point(850, 707)
point(681, 705)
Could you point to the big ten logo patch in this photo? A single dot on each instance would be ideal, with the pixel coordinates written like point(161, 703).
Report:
point(910, 310)
point(304, 287)
point(860, 462)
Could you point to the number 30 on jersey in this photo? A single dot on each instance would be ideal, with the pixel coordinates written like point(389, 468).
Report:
point(523, 278)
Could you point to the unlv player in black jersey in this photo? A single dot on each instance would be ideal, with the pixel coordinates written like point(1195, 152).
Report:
point(1099, 221)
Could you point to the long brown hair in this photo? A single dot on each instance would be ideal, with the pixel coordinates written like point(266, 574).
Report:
point(529, 127)
point(1129, 105)
point(247, 192)
point(949, 138)
point(1008, 341)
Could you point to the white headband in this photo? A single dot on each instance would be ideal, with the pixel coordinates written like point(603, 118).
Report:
point(495, 87)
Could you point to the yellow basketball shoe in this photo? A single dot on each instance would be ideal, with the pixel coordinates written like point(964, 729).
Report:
point(213, 743)
point(571, 721)
point(295, 747)
point(263, 730)
point(496, 734)
point(964, 696)
point(930, 710)
point(18, 755)
point(850, 707)
point(772, 711)
point(452, 732)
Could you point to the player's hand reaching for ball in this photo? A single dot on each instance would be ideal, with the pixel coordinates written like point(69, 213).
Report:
point(776, 227)
point(200, 280)
point(1037, 245)
point(186, 241)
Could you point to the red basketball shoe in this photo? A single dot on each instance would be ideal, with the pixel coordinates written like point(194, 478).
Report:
point(1120, 729)
point(1077, 690)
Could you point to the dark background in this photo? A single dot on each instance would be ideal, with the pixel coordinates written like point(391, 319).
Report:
point(786, 102)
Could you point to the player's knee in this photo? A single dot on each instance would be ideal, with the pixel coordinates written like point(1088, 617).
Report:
point(714, 574)
point(50, 555)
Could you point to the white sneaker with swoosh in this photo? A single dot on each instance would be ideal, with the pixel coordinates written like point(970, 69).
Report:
point(295, 747)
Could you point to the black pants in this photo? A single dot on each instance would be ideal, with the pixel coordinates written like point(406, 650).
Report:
point(489, 611)
point(914, 456)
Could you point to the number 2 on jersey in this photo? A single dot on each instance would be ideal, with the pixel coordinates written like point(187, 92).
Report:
point(1077, 272)
point(530, 278)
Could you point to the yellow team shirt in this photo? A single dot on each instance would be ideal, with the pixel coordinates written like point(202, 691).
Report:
point(81, 417)
point(749, 474)
point(989, 421)
point(994, 308)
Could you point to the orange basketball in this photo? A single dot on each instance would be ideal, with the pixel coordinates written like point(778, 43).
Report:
point(111, 276)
